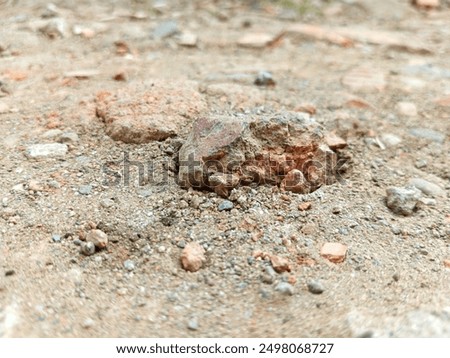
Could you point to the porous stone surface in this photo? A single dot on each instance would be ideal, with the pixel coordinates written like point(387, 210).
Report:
point(287, 149)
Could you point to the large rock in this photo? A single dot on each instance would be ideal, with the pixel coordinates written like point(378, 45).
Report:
point(286, 149)
point(134, 116)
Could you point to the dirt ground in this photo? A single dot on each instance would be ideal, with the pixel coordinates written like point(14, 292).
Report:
point(375, 72)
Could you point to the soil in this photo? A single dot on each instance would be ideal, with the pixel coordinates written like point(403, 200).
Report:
point(394, 280)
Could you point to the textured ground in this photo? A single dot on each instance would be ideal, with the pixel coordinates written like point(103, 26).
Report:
point(393, 281)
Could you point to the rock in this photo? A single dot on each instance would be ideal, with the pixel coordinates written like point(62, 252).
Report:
point(107, 203)
point(56, 238)
point(427, 187)
point(447, 263)
point(426, 4)
point(280, 264)
point(187, 39)
point(304, 206)
point(222, 153)
point(87, 248)
point(68, 137)
point(225, 205)
point(52, 134)
point(120, 76)
point(129, 265)
point(315, 287)
point(429, 134)
point(47, 150)
point(402, 200)
point(365, 79)
point(285, 288)
point(406, 109)
point(85, 189)
point(264, 78)
point(193, 324)
point(334, 142)
point(390, 140)
point(133, 116)
point(88, 323)
point(54, 28)
point(82, 74)
point(165, 29)
point(192, 257)
point(98, 238)
point(319, 33)
point(334, 251)
point(256, 40)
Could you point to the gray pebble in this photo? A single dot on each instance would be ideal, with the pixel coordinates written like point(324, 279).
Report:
point(396, 230)
point(315, 287)
point(106, 203)
point(285, 288)
point(427, 187)
point(47, 150)
point(85, 189)
point(181, 244)
point(225, 205)
point(402, 200)
point(56, 238)
point(193, 324)
point(129, 265)
point(88, 323)
point(68, 137)
point(264, 78)
point(165, 29)
point(421, 163)
point(87, 248)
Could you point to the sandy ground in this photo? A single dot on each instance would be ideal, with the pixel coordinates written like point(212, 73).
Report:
point(353, 74)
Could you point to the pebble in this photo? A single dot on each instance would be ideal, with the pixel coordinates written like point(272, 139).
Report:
point(69, 137)
point(256, 40)
point(56, 238)
point(98, 238)
point(225, 205)
point(429, 134)
point(396, 230)
point(165, 29)
point(285, 288)
point(334, 251)
point(427, 187)
point(52, 134)
point(161, 249)
point(187, 39)
point(85, 189)
point(192, 257)
point(408, 109)
point(47, 150)
point(390, 140)
point(181, 244)
point(402, 200)
point(129, 265)
point(87, 248)
point(264, 78)
point(315, 287)
point(88, 323)
point(280, 264)
point(421, 163)
point(4, 108)
point(193, 324)
point(106, 203)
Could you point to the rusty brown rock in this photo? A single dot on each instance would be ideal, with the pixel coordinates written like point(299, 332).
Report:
point(223, 152)
point(136, 116)
point(98, 238)
point(192, 257)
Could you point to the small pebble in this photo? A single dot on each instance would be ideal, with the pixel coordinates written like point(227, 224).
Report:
point(10, 272)
point(106, 203)
point(87, 248)
point(56, 238)
point(264, 78)
point(285, 288)
point(88, 323)
point(193, 324)
point(161, 249)
point(225, 205)
point(396, 230)
point(85, 189)
point(315, 287)
point(129, 265)
point(402, 200)
point(181, 244)
point(98, 238)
